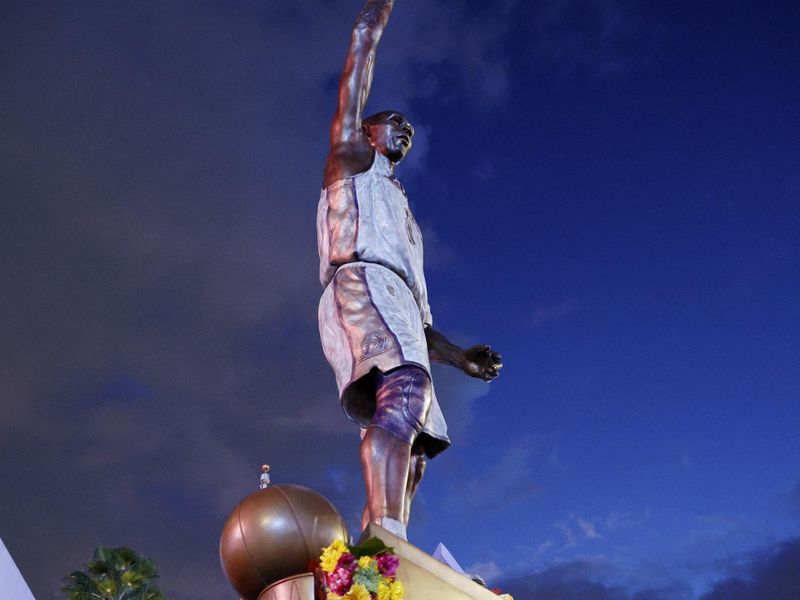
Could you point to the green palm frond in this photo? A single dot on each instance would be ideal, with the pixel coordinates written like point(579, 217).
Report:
point(114, 574)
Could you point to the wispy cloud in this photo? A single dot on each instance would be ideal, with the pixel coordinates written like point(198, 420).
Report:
point(575, 530)
point(547, 314)
point(488, 570)
point(790, 501)
point(510, 478)
point(554, 456)
point(438, 254)
point(446, 49)
point(589, 529)
point(622, 519)
point(767, 573)
point(771, 573)
point(567, 533)
point(601, 36)
point(541, 549)
point(710, 539)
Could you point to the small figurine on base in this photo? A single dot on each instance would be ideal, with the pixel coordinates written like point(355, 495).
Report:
point(265, 480)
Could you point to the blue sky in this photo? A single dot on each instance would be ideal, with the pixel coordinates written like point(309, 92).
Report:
point(610, 196)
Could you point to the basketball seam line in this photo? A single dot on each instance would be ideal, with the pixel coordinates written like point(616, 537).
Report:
point(297, 522)
point(249, 555)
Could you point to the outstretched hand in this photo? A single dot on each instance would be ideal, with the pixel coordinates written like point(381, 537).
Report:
point(482, 362)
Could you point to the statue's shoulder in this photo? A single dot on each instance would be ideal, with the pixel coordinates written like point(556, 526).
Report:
point(346, 160)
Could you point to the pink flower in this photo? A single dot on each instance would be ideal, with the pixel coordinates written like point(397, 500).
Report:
point(387, 565)
point(347, 561)
point(339, 581)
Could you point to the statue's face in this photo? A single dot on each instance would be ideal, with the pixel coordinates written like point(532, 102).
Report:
point(390, 133)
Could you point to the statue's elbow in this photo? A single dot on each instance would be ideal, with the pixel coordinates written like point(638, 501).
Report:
point(366, 34)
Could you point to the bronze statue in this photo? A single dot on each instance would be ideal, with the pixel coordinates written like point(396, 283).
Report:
point(375, 322)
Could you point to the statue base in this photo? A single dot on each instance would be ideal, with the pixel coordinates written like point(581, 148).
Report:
point(424, 577)
point(296, 587)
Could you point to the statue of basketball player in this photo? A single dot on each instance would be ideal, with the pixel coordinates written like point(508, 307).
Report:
point(374, 319)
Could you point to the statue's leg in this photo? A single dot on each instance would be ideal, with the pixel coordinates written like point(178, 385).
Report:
point(365, 516)
point(365, 510)
point(385, 459)
point(402, 401)
point(416, 470)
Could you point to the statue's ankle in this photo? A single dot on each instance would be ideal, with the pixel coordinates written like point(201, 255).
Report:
point(392, 526)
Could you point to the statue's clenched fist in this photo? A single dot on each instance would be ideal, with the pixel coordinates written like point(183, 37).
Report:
point(482, 362)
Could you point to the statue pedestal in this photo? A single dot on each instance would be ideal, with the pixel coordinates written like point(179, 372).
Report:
point(424, 577)
point(297, 587)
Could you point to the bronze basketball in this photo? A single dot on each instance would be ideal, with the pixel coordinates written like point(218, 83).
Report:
point(275, 533)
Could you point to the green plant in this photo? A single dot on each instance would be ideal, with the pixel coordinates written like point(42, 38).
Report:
point(114, 574)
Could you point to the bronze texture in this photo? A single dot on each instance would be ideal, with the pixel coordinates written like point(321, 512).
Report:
point(275, 533)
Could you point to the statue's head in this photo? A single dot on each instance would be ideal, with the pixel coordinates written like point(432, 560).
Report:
point(390, 133)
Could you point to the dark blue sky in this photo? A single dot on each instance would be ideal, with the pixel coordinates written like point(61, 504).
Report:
point(609, 193)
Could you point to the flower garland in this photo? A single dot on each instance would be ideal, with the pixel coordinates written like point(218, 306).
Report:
point(364, 572)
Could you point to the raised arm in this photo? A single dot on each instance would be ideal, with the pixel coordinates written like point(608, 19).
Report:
point(349, 148)
point(479, 361)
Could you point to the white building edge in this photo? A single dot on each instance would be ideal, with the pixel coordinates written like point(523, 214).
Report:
point(12, 584)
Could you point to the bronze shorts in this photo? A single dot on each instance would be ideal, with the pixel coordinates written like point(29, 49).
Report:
point(402, 402)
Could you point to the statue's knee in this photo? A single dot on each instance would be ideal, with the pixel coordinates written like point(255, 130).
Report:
point(402, 402)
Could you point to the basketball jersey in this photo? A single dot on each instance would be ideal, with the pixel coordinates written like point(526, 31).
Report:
point(366, 218)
